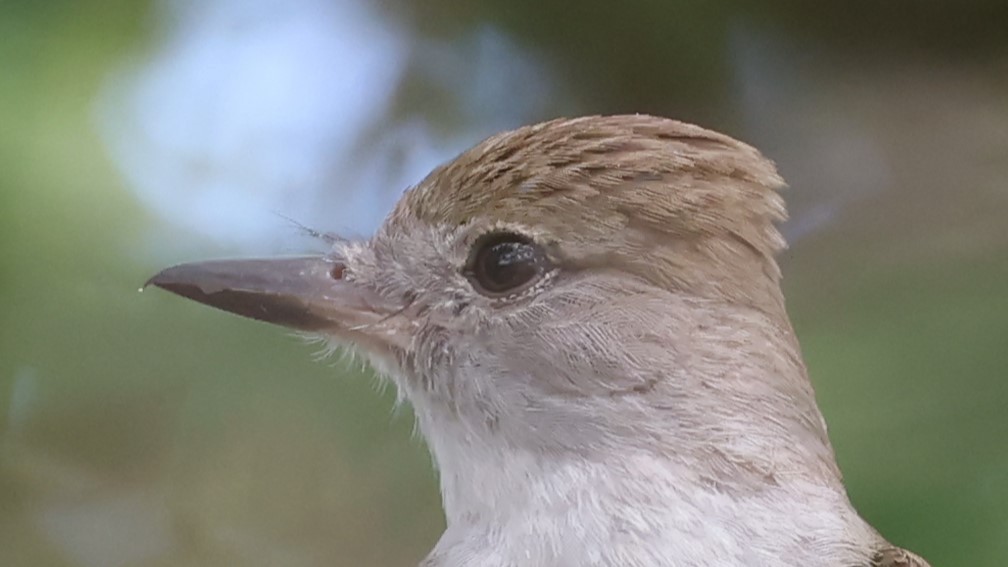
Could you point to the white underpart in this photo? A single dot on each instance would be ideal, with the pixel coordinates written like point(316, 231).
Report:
point(507, 507)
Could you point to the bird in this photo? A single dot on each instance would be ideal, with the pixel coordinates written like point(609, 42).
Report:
point(586, 316)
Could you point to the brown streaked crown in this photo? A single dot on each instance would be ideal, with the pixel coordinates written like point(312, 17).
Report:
point(681, 206)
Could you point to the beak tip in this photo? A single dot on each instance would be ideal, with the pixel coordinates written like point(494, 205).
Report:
point(163, 279)
point(151, 281)
point(181, 280)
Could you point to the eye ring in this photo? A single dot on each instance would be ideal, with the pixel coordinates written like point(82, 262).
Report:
point(505, 263)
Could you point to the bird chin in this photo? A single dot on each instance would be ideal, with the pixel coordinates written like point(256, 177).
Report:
point(359, 351)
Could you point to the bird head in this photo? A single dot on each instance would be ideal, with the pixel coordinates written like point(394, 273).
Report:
point(575, 285)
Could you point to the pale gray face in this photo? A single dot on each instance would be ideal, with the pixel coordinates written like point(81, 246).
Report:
point(505, 329)
point(471, 294)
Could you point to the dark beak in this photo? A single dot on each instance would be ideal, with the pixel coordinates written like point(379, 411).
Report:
point(308, 293)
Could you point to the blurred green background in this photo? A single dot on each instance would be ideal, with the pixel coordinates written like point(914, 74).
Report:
point(142, 430)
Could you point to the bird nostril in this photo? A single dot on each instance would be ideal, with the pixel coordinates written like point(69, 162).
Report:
point(337, 271)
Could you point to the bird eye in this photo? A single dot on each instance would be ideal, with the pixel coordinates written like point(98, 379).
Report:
point(505, 263)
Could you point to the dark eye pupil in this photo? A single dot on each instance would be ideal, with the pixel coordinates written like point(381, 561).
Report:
point(505, 264)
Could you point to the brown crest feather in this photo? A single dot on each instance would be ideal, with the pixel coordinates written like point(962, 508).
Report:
point(683, 207)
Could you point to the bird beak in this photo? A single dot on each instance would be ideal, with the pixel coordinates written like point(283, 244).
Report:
point(307, 294)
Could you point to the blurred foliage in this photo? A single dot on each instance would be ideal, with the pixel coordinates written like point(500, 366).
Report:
point(656, 56)
point(128, 414)
point(921, 454)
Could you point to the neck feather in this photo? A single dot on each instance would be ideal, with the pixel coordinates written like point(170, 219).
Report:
point(636, 508)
